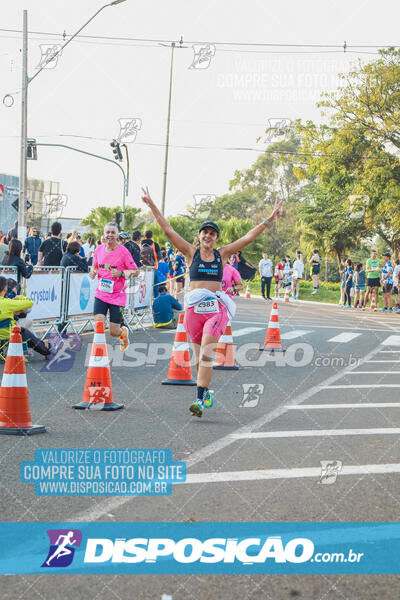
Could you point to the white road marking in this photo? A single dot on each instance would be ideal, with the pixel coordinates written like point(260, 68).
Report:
point(373, 372)
point(344, 337)
point(362, 386)
point(284, 322)
point(315, 433)
point(291, 335)
point(392, 340)
point(245, 331)
point(387, 351)
point(110, 505)
point(288, 473)
point(382, 361)
point(348, 405)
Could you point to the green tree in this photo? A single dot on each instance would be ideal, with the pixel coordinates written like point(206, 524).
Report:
point(369, 99)
point(326, 224)
point(182, 225)
point(101, 215)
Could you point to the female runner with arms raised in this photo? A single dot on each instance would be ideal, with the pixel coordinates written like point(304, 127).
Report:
point(207, 308)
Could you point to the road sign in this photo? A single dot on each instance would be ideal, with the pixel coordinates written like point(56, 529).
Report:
point(15, 204)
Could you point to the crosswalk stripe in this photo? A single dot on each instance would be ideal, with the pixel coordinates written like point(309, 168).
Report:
point(348, 405)
point(245, 331)
point(216, 477)
point(315, 433)
point(392, 340)
point(291, 335)
point(382, 361)
point(344, 337)
point(361, 385)
point(372, 372)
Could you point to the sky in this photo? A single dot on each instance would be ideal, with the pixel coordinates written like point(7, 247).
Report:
point(217, 112)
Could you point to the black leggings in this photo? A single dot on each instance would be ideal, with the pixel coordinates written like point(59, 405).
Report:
point(34, 342)
point(347, 296)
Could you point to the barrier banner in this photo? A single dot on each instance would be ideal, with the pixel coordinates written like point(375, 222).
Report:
point(143, 289)
point(45, 288)
point(81, 294)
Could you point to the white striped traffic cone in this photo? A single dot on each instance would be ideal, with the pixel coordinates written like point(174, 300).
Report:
point(248, 295)
point(225, 352)
point(273, 336)
point(98, 387)
point(15, 414)
point(180, 371)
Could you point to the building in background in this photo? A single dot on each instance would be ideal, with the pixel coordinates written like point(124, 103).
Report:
point(46, 202)
point(70, 224)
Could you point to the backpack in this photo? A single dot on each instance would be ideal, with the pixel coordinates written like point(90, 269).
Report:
point(147, 256)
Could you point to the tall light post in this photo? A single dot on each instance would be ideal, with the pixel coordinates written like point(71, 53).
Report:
point(171, 71)
point(24, 112)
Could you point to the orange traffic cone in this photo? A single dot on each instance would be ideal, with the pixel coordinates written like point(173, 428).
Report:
point(225, 353)
point(248, 295)
point(273, 337)
point(15, 414)
point(373, 302)
point(287, 294)
point(98, 388)
point(180, 371)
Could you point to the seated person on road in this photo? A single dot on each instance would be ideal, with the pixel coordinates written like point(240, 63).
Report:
point(72, 259)
point(9, 309)
point(163, 309)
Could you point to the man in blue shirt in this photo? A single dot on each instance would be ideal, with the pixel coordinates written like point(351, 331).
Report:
point(387, 283)
point(163, 309)
point(179, 270)
point(32, 245)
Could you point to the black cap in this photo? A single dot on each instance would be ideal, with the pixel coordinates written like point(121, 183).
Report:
point(387, 254)
point(209, 224)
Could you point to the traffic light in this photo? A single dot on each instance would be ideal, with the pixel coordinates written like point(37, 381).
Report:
point(116, 150)
point(118, 218)
point(31, 149)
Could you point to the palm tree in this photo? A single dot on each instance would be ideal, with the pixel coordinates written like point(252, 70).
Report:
point(101, 215)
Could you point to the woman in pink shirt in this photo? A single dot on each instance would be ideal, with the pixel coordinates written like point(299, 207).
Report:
point(112, 263)
point(231, 280)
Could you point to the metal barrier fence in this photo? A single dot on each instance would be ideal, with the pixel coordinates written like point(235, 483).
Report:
point(64, 298)
point(11, 272)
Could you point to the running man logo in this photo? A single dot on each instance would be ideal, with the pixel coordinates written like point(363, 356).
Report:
point(251, 394)
point(98, 394)
point(47, 59)
point(330, 469)
point(128, 129)
point(203, 53)
point(276, 128)
point(63, 543)
point(63, 351)
point(358, 206)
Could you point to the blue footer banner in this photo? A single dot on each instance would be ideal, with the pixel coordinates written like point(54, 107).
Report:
point(214, 548)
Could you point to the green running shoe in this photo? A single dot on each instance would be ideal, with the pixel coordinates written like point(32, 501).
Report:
point(197, 408)
point(208, 399)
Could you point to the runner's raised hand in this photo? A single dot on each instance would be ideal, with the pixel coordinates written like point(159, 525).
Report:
point(146, 198)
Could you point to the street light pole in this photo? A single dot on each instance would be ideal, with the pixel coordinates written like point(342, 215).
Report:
point(23, 156)
point(26, 80)
point(125, 175)
point(168, 124)
point(126, 186)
